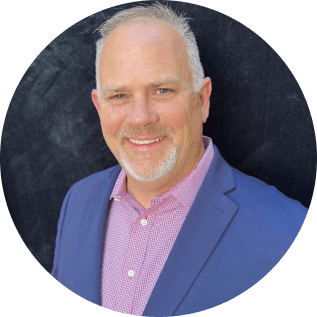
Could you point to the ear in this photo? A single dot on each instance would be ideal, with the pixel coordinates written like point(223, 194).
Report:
point(204, 96)
point(95, 99)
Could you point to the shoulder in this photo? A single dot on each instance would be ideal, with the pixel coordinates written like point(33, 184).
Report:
point(265, 207)
point(266, 218)
point(254, 189)
point(96, 180)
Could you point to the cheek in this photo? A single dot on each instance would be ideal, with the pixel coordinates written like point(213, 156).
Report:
point(111, 122)
point(184, 122)
point(179, 121)
point(174, 116)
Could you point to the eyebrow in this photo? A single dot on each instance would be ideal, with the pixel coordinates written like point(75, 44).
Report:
point(164, 81)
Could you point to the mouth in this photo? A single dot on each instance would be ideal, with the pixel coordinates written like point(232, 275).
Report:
point(145, 142)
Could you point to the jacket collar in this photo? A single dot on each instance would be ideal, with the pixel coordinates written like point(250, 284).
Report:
point(90, 261)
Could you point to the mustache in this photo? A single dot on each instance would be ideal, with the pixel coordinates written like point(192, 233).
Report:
point(158, 130)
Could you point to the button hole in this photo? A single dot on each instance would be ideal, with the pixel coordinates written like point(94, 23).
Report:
point(218, 209)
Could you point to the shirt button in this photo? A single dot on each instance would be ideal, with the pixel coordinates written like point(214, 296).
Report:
point(130, 273)
point(143, 222)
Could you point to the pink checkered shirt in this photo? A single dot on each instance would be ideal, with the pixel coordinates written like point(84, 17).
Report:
point(137, 241)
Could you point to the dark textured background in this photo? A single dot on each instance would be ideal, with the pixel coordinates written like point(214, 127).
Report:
point(51, 138)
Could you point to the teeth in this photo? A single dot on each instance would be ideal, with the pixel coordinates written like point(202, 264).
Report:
point(145, 141)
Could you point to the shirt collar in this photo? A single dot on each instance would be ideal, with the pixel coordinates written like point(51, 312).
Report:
point(186, 190)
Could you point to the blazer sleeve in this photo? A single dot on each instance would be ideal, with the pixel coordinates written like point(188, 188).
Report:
point(59, 234)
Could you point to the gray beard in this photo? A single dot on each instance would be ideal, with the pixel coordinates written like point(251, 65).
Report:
point(164, 167)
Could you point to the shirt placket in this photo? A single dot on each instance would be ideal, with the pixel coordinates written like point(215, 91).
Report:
point(132, 267)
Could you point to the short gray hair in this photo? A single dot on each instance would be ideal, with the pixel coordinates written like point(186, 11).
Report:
point(163, 13)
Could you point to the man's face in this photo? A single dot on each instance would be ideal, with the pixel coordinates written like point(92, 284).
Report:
point(151, 117)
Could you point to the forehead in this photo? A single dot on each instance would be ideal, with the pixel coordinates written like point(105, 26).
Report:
point(143, 50)
point(143, 34)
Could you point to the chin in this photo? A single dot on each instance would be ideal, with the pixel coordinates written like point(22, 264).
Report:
point(151, 174)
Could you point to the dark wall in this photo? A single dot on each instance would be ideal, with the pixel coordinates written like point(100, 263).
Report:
point(51, 138)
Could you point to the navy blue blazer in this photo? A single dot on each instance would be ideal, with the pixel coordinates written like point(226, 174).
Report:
point(236, 231)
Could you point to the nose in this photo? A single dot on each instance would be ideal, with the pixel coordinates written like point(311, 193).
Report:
point(142, 114)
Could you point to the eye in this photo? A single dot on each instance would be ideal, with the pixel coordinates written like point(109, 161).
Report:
point(120, 96)
point(162, 91)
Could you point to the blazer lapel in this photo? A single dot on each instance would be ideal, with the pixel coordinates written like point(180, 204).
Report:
point(90, 261)
point(203, 227)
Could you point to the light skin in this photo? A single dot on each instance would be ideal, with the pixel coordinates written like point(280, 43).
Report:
point(147, 94)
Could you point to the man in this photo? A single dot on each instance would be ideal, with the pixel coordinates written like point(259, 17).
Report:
point(173, 229)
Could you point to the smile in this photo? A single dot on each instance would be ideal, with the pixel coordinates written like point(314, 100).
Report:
point(145, 141)
point(145, 144)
